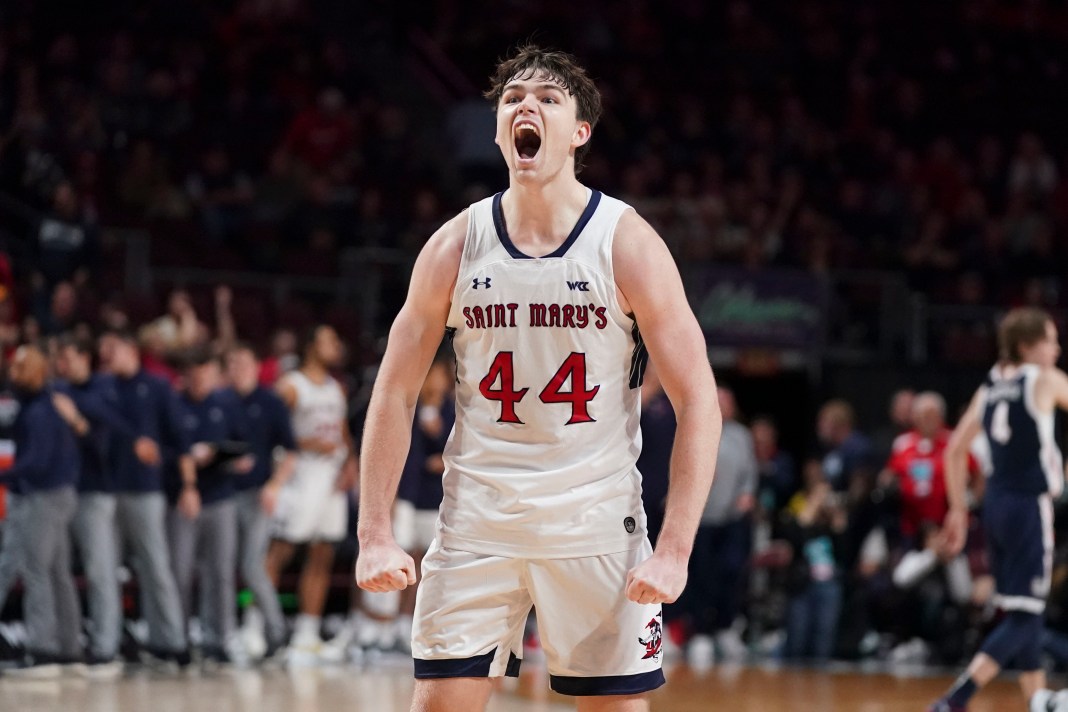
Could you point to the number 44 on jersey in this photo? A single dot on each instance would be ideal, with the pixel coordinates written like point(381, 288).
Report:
point(573, 367)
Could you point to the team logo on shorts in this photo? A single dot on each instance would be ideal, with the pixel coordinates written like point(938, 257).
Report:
point(629, 524)
point(654, 639)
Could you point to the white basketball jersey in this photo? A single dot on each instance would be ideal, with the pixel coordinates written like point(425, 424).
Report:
point(319, 413)
point(541, 461)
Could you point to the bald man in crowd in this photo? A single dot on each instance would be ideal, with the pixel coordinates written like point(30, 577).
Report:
point(46, 471)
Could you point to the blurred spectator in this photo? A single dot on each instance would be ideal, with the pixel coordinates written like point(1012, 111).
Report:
point(1032, 172)
point(96, 421)
point(278, 191)
point(322, 135)
point(938, 585)
point(847, 452)
point(149, 403)
point(283, 357)
point(724, 539)
point(899, 421)
point(203, 544)
point(373, 229)
point(178, 330)
point(221, 192)
point(46, 473)
point(66, 242)
point(321, 208)
point(814, 524)
point(11, 529)
point(58, 313)
point(144, 186)
point(778, 474)
point(915, 471)
point(269, 429)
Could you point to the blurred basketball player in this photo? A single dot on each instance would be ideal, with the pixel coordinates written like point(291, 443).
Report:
point(543, 288)
point(1015, 409)
point(312, 507)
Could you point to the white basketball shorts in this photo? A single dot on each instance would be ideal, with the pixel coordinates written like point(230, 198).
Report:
point(414, 529)
point(309, 506)
point(471, 610)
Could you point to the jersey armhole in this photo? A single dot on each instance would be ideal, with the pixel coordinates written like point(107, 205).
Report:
point(461, 270)
point(610, 261)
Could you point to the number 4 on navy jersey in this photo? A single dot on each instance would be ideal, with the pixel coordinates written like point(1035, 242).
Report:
point(574, 366)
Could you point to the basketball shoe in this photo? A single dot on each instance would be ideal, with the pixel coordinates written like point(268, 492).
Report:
point(944, 706)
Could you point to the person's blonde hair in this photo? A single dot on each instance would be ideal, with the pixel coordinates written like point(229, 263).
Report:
point(1021, 327)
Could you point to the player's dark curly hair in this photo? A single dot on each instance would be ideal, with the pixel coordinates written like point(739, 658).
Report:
point(1020, 327)
point(530, 60)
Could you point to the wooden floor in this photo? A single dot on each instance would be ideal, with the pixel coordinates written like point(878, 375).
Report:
point(387, 688)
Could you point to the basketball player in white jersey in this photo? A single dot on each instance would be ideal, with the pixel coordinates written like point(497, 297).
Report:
point(313, 507)
point(544, 289)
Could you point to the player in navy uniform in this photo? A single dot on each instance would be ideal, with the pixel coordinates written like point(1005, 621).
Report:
point(1014, 408)
point(551, 291)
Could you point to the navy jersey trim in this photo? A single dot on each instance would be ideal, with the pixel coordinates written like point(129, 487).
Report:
point(639, 359)
point(608, 685)
point(450, 339)
point(476, 666)
point(502, 229)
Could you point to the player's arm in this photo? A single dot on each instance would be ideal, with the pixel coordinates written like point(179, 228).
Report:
point(1057, 386)
point(652, 288)
point(956, 462)
point(348, 476)
point(413, 340)
point(1054, 385)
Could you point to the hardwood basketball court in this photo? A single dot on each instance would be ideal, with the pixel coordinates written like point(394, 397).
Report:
point(387, 688)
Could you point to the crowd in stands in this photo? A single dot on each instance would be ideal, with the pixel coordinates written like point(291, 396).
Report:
point(267, 136)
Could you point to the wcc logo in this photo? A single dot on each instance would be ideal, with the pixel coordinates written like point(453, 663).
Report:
point(578, 286)
point(653, 641)
point(476, 283)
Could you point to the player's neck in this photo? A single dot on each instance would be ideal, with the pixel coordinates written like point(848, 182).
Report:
point(315, 371)
point(541, 216)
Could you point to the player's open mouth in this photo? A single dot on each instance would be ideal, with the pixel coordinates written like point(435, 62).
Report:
point(527, 140)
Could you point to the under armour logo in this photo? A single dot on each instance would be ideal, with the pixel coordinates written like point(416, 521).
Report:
point(578, 286)
point(476, 282)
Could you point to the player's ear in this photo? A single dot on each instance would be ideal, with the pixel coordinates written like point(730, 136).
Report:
point(582, 134)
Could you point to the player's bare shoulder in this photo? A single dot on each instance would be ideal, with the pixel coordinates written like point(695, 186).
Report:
point(287, 390)
point(634, 232)
point(1052, 384)
point(446, 245)
point(439, 261)
point(640, 257)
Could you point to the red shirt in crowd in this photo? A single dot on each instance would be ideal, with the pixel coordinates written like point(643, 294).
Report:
point(320, 139)
point(918, 462)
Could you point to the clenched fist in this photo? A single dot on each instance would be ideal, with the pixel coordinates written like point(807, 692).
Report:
point(383, 566)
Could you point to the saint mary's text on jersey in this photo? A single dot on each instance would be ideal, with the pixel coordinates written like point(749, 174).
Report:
point(565, 316)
